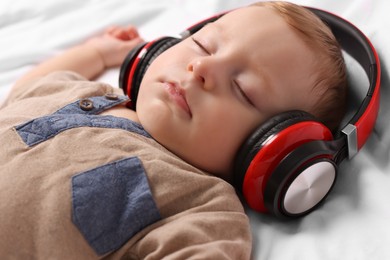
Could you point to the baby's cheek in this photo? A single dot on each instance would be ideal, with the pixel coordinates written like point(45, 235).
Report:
point(222, 160)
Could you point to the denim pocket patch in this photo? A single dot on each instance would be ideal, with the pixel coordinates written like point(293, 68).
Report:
point(112, 203)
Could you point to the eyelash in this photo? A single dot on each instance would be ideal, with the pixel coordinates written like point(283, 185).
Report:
point(242, 93)
point(200, 46)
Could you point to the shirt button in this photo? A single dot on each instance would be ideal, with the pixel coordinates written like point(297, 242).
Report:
point(111, 96)
point(86, 104)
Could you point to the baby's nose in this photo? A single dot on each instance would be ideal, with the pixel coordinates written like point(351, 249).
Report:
point(196, 68)
point(205, 70)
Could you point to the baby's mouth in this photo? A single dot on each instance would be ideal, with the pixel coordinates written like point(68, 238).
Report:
point(178, 95)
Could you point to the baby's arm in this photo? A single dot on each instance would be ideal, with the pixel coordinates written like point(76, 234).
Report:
point(203, 235)
point(92, 57)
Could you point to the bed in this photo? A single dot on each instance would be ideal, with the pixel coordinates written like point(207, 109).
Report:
point(354, 221)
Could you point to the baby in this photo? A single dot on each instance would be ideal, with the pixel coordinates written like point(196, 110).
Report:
point(85, 177)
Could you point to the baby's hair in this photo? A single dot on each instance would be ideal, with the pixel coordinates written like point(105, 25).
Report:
point(331, 80)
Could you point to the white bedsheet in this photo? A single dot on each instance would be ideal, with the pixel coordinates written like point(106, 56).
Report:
point(352, 224)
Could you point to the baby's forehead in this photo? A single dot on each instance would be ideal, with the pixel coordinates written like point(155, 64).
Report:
point(251, 19)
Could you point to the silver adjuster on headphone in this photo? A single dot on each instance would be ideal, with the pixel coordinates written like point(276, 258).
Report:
point(185, 34)
point(351, 132)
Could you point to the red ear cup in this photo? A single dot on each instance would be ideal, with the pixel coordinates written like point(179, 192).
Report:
point(265, 150)
point(126, 67)
point(137, 62)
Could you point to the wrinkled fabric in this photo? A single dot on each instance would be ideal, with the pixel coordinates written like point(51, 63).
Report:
point(78, 185)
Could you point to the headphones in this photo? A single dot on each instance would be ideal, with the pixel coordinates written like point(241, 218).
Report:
point(288, 165)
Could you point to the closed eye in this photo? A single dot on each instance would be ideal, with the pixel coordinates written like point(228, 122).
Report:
point(242, 93)
point(200, 45)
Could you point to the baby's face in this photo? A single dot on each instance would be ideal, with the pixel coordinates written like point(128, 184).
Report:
point(204, 96)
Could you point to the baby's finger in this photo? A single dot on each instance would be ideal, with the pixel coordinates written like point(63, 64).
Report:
point(129, 45)
point(132, 31)
point(119, 33)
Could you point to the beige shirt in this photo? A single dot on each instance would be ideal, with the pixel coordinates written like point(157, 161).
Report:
point(78, 185)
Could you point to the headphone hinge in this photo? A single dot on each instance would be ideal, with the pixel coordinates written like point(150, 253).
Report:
point(352, 141)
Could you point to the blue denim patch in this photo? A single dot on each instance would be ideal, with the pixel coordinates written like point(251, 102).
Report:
point(112, 203)
point(71, 116)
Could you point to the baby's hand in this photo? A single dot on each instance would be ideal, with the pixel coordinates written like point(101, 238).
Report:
point(114, 44)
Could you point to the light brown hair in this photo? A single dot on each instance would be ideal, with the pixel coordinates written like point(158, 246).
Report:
point(331, 79)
